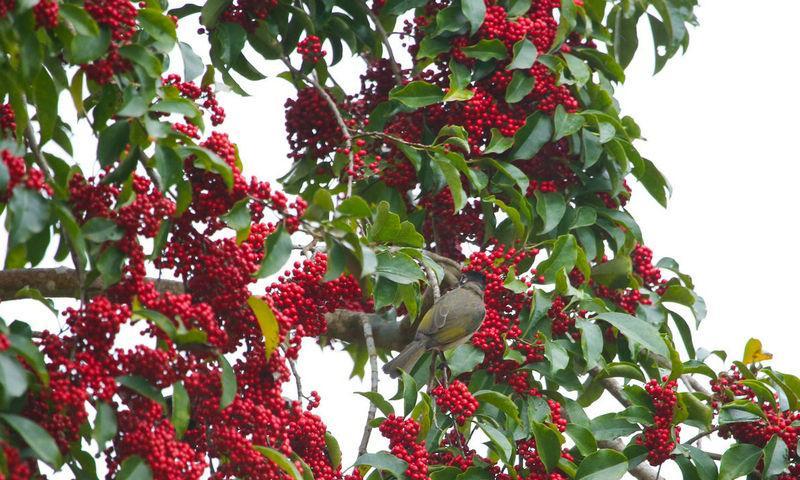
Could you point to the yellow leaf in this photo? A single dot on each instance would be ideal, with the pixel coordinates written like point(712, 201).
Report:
point(753, 352)
point(267, 322)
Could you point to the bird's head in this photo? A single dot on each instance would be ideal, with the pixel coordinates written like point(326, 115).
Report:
point(473, 277)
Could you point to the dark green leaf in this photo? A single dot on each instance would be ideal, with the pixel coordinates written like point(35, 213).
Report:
point(417, 94)
point(278, 249)
point(105, 425)
point(531, 137)
point(36, 437)
point(180, 409)
point(134, 468)
point(28, 214)
point(524, 55)
point(604, 464)
point(739, 460)
point(385, 462)
point(637, 331)
point(520, 86)
point(486, 50)
point(229, 387)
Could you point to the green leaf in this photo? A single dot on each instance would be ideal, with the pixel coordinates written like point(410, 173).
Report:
point(498, 143)
point(211, 11)
point(193, 65)
point(486, 50)
point(238, 218)
point(474, 11)
point(520, 86)
point(453, 178)
point(739, 460)
point(591, 341)
point(417, 94)
point(32, 355)
point(85, 48)
point(501, 401)
point(563, 255)
point(524, 55)
point(208, 160)
point(463, 359)
point(28, 214)
point(159, 26)
point(776, 457)
point(377, 399)
point(159, 320)
point(614, 273)
point(501, 443)
point(551, 207)
point(583, 438)
point(548, 445)
point(280, 460)
point(36, 437)
point(101, 229)
point(384, 462)
point(181, 406)
point(13, 380)
point(267, 322)
point(531, 137)
point(625, 39)
point(81, 21)
point(637, 331)
point(229, 386)
point(45, 97)
point(141, 56)
point(105, 425)
point(112, 142)
point(399, 267)
point(142, 387)
point(334, 451)
point(566, 123)
point(579, 70)
point(355, 206)
point(277, 250)
point(604, 464)
point(134, 468)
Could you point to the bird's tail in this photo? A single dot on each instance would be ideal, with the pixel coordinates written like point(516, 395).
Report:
point(406, 359)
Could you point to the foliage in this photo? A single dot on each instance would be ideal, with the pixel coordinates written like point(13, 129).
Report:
point(501, 149)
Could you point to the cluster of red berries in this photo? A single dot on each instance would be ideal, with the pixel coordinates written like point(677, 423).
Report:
point(46, 14)
point(564, 319)
point(119, 16)
point(456, 400)
point(311, 126)
point(310, 48)
point(662, 437)
point(402, 435)
point(533, 468)
point(247, 13)
point(449, 230)
point(204, 96)
point(20, 174)
point(8, 124)
point(6, 6)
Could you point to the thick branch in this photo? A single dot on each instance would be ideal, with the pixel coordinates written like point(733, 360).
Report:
point(60, 282)
point(346, 325)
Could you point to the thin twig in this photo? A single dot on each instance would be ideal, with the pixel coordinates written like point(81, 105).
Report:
point(297, 382)
point(701, 435)
point(396, 70)
point(432, 282)
point(373, 365)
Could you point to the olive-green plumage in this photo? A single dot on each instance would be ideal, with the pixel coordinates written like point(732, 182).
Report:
point(450, 322)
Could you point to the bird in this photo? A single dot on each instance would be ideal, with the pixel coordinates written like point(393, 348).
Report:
point(450, 322)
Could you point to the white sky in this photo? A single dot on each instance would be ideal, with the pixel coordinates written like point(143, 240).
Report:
point(720, 123)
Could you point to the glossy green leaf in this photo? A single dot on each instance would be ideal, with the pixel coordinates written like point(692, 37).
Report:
point(42, 444)
point(637, 331)
point(604, 464)
point(739, 460)
point(417, 94)
point(524, 55)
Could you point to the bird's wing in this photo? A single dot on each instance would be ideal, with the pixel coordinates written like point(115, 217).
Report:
point(457, 314)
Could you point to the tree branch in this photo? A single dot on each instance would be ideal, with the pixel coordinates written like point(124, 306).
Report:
point(641, 471)
point(61, 282)
point(373, 365)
